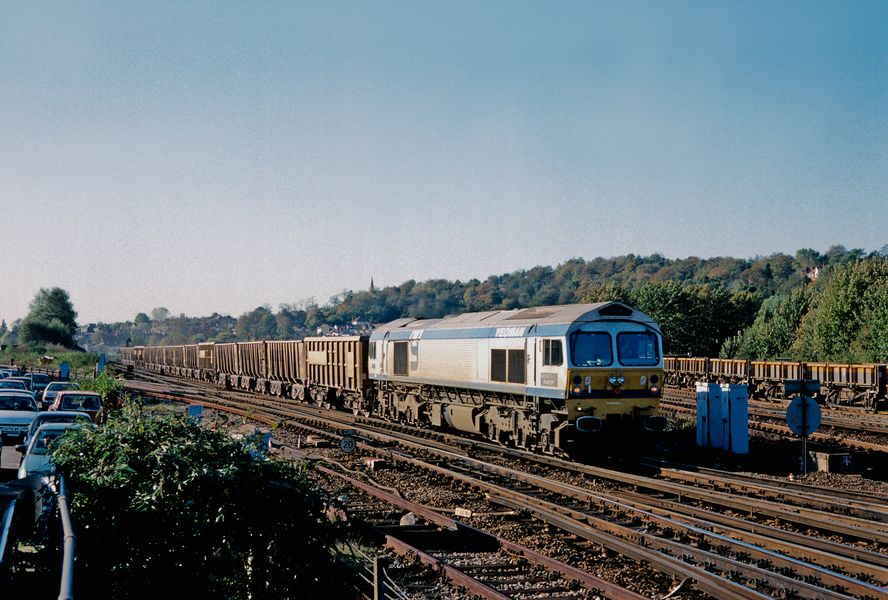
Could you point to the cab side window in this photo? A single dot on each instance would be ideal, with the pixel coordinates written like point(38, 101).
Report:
point(552, 354)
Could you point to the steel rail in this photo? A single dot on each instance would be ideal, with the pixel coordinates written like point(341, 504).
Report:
point(615, 536)
point(705, 581)
point(610, 589)
point(826, 553)
point(850, 508)
point(455, 575)
point(669, 522)
point(858, 528)
point(851, 496)
point(763, 536)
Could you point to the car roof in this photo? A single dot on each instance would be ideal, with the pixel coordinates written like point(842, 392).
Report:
point(57, 426)
point(11, 392)
point(55, 414)
point(79, 393)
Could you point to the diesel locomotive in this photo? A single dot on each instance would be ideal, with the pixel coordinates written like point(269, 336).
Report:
point(546, 378)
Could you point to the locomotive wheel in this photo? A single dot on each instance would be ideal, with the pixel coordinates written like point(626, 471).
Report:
point(545, 446)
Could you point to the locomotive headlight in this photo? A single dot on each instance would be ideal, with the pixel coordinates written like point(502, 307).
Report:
point(612, 380)
point(620, 380)
point(577, 390)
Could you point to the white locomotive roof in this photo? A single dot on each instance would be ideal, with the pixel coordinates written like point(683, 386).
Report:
point(563, 314)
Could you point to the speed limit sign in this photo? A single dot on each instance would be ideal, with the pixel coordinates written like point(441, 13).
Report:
point(347, 444)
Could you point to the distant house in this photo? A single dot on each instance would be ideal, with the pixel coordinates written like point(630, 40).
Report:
point(812, 272)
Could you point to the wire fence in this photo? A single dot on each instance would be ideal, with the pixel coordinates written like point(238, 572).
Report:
point(371, 569)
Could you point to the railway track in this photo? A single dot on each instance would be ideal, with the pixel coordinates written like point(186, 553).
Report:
point(685, 528)
point(481, 564)
point(484, 565)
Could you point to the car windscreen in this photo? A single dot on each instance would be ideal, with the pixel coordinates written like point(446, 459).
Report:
point(638, 349)
point(39, 378)
point(80, 403)
point(12, 385)
point(54, 417)
point(17, 403)
point(55, 386)
point(44, 441)
point(591, 349)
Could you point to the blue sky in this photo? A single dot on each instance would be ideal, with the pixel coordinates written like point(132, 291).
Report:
point(215, 156)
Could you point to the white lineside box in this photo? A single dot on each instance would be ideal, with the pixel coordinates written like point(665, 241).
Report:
point(723, 417)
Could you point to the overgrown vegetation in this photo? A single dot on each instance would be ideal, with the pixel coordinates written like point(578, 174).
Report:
point(165, 508)
point(106, 385)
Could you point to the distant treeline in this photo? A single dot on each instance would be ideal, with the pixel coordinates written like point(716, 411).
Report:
point(830, 306)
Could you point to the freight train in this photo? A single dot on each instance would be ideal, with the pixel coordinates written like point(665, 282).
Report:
point(860, 385)
point(544, 378)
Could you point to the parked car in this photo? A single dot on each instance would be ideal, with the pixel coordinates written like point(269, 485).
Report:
point(10, 372)
point(88, 402)
point(17, 410)
point(49, 394)
point(12, 384)
point(54, 416)
point(36, 459)
point(39, 381)
point(23, 379)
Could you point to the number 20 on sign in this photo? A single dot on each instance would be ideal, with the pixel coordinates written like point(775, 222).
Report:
point(347, 444)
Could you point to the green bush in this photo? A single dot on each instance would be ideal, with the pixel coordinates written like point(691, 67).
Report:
point(164, 508)
point(105, 385)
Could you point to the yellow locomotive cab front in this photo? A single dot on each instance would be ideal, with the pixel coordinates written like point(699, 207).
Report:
point(597, 397)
